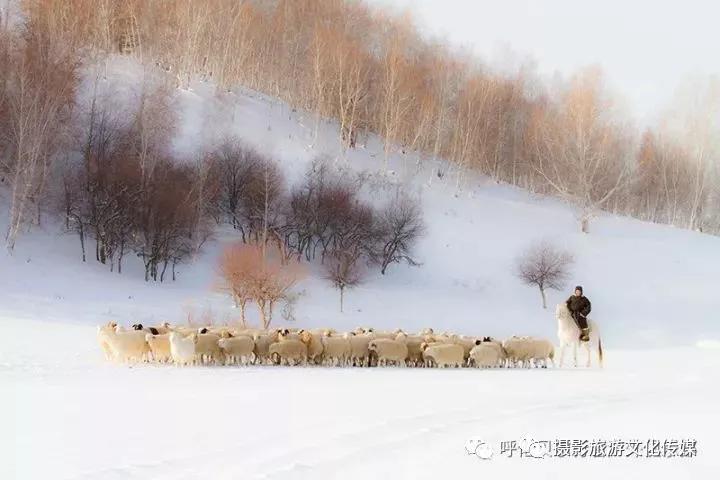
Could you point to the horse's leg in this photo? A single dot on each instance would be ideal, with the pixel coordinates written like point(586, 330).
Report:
point(589, 354)
point(575, 345)
point(562, 354)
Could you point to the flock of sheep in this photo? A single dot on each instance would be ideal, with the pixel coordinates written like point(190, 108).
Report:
point(363, 347)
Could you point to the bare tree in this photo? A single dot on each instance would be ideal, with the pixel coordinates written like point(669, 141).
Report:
point(251, 272)
point(39, 92)
point(582, 152)
point(238, 266)
point(275, 281)
point(545, 266)
point(344, 271)
point(399, 227)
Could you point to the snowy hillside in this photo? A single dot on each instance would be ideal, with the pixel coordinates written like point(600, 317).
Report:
point(654, 291)
point(651, 285)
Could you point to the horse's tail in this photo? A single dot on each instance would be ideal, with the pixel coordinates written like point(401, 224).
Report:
point(600, 352)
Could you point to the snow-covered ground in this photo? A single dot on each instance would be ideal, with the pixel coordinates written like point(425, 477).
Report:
point(69, 415)
point(65, 413)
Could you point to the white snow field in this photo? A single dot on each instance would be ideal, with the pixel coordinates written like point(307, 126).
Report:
point(65, 413)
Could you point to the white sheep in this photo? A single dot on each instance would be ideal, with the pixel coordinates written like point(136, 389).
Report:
point(542, 351)
point(289, 352)
point(262, 347)
point(159, 346)
point(444, 355)
point(237, 349)
point(102, 332)
point(486, 354)
point(523, 351)
point(388, 351)
point(414, 345)
point(313, 341)
point(336, 350)
point(359, 353)
point(467, 344)
point(208, 350)
point(127, 346)
point(182, 348)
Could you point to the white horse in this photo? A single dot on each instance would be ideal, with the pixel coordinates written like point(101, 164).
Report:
point(569, 335)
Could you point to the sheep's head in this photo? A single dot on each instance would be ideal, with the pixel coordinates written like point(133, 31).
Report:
point(305, 337)
point(478, 342)
point(137, 326)
point(372, 346)
point(203, 330)
point(225, 334)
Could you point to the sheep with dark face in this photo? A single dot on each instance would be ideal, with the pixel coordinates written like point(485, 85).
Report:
point(486, 354)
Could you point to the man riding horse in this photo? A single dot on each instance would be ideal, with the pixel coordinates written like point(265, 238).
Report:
point(580, 307)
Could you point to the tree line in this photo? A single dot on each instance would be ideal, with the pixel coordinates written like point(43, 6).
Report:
point(370, 72)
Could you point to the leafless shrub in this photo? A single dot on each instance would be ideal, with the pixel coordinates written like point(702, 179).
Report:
point(399, 227)
point(258, 273)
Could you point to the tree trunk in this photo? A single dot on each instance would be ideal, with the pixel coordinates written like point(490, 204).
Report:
point(242, 304)
point(82, 241)
point(162, 274)
point(120, 257)
point(585, 224)
point(342, 290)
point(544, 300)
point(263, 316)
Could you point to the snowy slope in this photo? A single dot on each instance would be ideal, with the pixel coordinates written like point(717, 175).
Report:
point(651, 285)
point(654, 292)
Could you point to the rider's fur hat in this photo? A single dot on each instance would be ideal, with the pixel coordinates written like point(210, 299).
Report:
point(579, 288)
